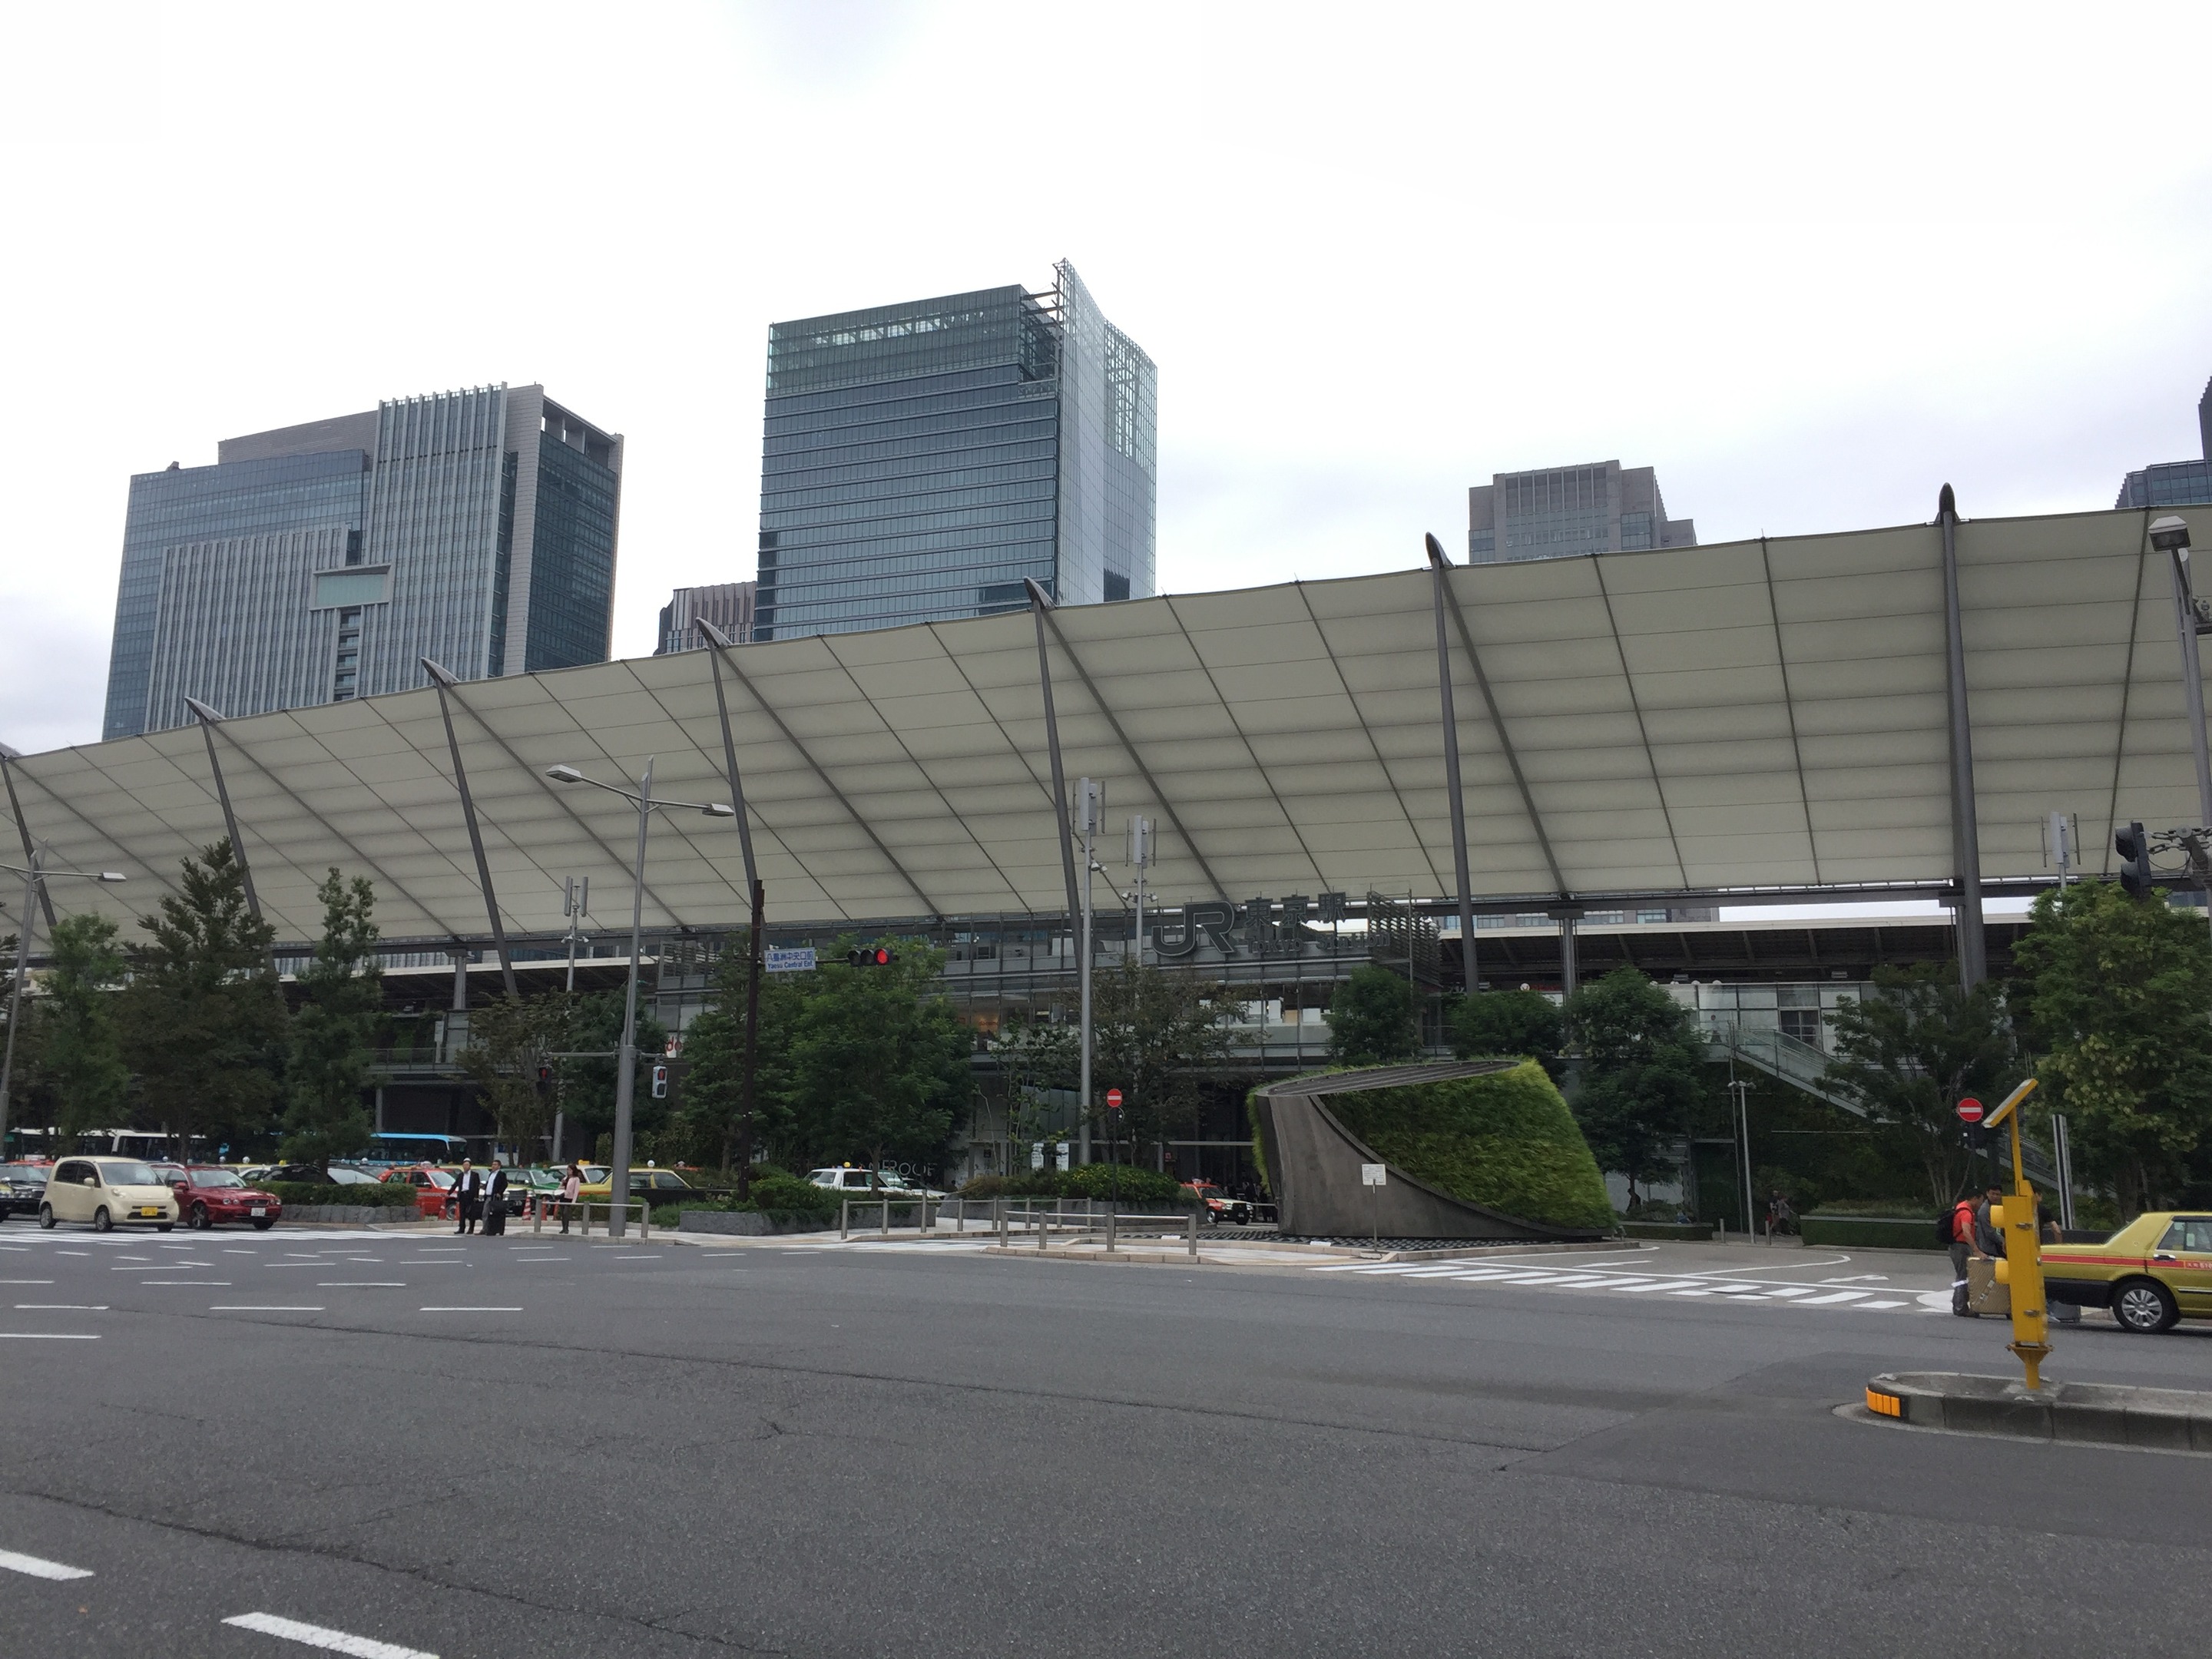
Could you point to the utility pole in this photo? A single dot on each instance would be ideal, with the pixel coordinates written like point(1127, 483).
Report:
point(1140, 857)
point(1090, 805)
point(575, 900)
point(1740, 1088)
point(752, 1046)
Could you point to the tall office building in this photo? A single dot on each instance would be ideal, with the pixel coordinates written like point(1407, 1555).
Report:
point(2175, 483)
point(728, 605)
point(319, 562)
point(922, 459)
point(1558, 512)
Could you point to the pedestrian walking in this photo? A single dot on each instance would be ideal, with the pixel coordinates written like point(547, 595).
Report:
point(1961, 1234)
point(494, 1203)
point(1987, 1241)
point(571, 1184)
point(468, 1195)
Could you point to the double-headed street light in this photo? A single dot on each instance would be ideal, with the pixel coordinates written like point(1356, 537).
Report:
point(626, 1058)
point(32, 876)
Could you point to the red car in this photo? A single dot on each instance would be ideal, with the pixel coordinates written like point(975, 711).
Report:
point(1219, 1206)
point(434, 1189)
point(206, 1196)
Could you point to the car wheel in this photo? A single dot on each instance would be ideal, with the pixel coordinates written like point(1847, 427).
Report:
point(102, 1221)
point(47, 1215)
point(2144, 1306)
point(199, 1220)
point(261, 1224)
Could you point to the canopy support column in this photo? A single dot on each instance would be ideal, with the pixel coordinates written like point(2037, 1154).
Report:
point(1038, 605)
point(23, 829)
point(1469, 974)
point(209, 720)
point(719, 642)
point(1966, 834)
point(441, 678)
point(1570, 971)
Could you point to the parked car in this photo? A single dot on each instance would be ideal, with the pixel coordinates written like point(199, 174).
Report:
point(1219, 1206)
point(107, 1192)
point(22, 1189)
point(861, 1183)
point(523, 1185)
point(312, 1175)
point(2153, 1273)
point(649, 1186)
point(434, 1189)
point(207, 1196)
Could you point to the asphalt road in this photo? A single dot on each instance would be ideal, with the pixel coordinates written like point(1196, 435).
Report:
point(548, 1447)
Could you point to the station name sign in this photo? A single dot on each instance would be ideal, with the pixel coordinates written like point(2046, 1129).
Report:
point(1258, 928)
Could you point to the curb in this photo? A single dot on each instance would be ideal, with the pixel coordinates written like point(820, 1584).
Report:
point(2082, 1414)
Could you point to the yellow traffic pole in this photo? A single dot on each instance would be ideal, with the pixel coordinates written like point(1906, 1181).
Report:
point(2021, 1271)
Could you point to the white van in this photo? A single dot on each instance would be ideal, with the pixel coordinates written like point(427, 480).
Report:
point(105, 1191)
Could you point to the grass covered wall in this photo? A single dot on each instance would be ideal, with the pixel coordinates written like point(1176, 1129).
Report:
point(1504, 1140)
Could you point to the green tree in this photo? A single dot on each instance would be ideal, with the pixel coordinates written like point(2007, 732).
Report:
point(1371, 1020)
point(340, 998)
point(713, 1087)
point(2118, 990)
point(879, 1060)
point(588, 1086)
point(1154, 1034)
point(202, 1022)
point(1643, 1073)
point(1911, 1052)
point(510, 1043)
point(1509, 1023)
point(79, 1052)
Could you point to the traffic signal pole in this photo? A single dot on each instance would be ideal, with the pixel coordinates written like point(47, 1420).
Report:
point(2021, 1271)
point(752, 1049)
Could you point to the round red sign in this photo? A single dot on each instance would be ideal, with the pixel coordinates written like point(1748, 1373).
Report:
point(1114, 1099)
point(1970, 1111)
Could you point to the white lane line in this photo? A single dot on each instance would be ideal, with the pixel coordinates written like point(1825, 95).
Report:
point(34, 1567)
point(134, 1258)
point(218, 1284)
point(176, 1247)
point(468, 1311)
point(23, 1248)
point(259, 1307)
point(47, 1336)
point(431, 1261)
point(319, 1636)
point(160, 1267)
point(1660, 1285)
point(72, 1252)
point(1583, 1281)
point(26, 1281)
point(1830, 1300)
point(1888, 1304)
point(227, 1251)
point(362, 1284)
point(61, 1307)
point(1789, 1291)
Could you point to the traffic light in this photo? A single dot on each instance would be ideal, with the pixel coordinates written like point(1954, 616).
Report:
point(660, 1083)
point(545, 1080)
point(2134, 848)
point(871, 957)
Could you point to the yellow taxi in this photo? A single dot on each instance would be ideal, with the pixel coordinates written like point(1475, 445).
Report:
point(647, 1186)
point(107, 1192)
point(2153, 1273)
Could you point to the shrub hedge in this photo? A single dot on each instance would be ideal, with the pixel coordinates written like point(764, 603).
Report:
point(1504, 1140)
point(379, 1195)
point(1096, 1181)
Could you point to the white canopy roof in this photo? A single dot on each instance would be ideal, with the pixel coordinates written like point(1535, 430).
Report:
point(1754, 715)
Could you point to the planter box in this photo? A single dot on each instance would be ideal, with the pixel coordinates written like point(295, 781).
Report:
point(1667, 1230)
point(354, 1215)
point(748, 1224)
point(1870, 1233)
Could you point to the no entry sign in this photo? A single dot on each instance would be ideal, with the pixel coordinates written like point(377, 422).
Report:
point(1970, 1111)
point(1114, 1099)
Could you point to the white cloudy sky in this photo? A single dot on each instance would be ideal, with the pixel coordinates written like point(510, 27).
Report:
point(1809, 262)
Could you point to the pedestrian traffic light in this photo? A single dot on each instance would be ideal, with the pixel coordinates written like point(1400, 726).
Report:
point(874, 957)
point(545, 1080)
point(660, 1083)
point(2134, 848)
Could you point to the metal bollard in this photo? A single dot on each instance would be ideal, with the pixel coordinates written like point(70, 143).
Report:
point(1111, 1218)
point(645, 1221)
point(1044, 1230)
point(538, 1215)
point(1191, 1222)
point(999, 1220)
point(844, 1220)
point(885, 1231)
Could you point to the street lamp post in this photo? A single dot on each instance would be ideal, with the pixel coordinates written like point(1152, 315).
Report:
point(32, 876)
point(626, 1053)
point(2170, 536)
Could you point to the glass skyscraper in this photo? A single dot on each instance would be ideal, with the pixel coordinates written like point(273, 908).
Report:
point(2175, 483)
point(922, 459)
point(320, 562)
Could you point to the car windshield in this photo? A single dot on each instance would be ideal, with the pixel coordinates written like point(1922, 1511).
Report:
point(215, 1178)
point(128, 1175)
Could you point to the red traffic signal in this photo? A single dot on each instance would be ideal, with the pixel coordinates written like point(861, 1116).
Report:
point(1970, 1111)
point(1113, 1100)
point(875, 957)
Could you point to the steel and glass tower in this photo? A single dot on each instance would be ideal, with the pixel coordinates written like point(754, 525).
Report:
point(320, 562)
point(922, 459)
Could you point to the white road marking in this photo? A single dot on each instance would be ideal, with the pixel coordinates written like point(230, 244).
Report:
point(34, 1567)
point(331, 1641)
point(61, 1307)
point(1660, 1285)
point(1790, 1291)
point(72, 1252)
point(468, 1311)
point(259, 1307)
point(47, 1336)
point(362, 1284)
point(26, 1281)
point(1833, 1298)
point(219, 1284)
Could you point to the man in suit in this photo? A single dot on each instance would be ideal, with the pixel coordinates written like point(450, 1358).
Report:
point(468, 1195)
point(495, 1201)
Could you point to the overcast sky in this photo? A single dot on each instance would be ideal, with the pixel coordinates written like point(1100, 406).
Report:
point(1809, 262)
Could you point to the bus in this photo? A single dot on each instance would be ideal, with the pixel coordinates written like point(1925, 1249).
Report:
point(390, 1151)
